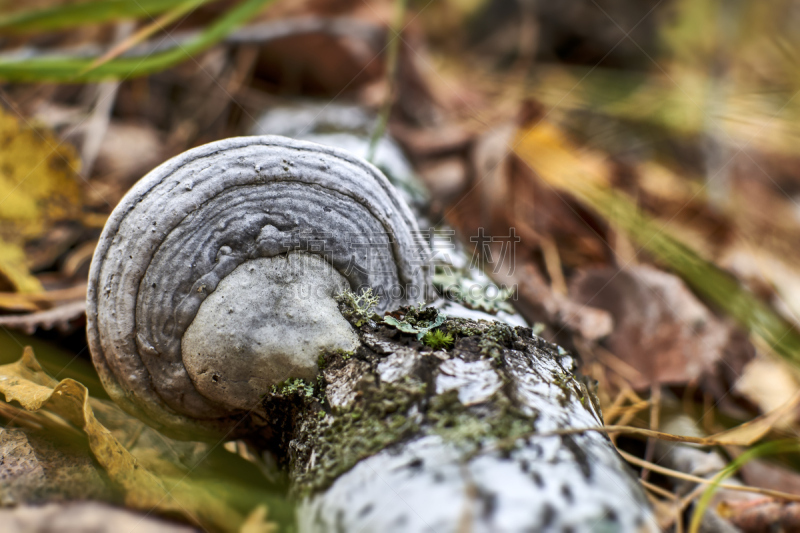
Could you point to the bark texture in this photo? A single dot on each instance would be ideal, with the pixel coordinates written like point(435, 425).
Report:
point(402, 438)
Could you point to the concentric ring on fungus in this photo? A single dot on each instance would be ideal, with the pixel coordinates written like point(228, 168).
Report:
point(232, 215)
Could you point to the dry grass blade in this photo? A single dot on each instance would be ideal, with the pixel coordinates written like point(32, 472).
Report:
point(393, 48)
point(703, 481)
point(157, 25)
point(742, 435)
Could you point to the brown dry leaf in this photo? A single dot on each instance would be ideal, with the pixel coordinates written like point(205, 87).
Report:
point(59, 307)
point(507, 194)
point(40, 465)
point(764, 514)
point(26, 382)
point(541, 303)
point(763, 473)
point(660, 328)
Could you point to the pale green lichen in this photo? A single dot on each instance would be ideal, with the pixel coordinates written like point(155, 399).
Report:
point(456, 423)
point(416, 320)
point(495, 338)
point(460, 287)
point(358, 309)
point(386, 413)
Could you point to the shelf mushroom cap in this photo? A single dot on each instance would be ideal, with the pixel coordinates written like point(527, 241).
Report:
point(215, 276)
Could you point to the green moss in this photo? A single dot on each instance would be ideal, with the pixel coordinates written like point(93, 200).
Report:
point(461, 328)
point(335, 440)
point(456, 423)
point(294, 386)
point(325, 359)
point(438, 340)
point(344, 437)
point(381, 418)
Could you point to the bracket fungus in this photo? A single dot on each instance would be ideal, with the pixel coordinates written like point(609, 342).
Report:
point(215, 276)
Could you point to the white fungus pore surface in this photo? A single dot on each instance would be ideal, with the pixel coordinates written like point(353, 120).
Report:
point(267, 321)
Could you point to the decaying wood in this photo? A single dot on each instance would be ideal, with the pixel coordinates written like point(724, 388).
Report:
point(399, 437)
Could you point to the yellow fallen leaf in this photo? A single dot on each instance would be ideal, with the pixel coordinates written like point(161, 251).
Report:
point(38, 178)
point(14, 270)
point(38, 186)
point(26, 382)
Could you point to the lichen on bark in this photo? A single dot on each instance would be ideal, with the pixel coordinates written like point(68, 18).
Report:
point(471, 427)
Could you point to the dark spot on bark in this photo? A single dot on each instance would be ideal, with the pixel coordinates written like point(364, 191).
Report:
point(580, 456)
point(537, 479)
point(567, 529)
point(548, 515)
point(489, 500)
point(537, 449)
point(215, 378)
point(416, 464)
point(438, 477)
point(365, 510)
point(340, 521)
point(525, 466)
point(567, 493)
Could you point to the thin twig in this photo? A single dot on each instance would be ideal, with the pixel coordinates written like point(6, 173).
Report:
point(143, 33)
point(392, 54)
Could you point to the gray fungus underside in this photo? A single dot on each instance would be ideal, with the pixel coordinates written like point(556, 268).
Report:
point(432, 477)
point(268, 320)
point(194, 220)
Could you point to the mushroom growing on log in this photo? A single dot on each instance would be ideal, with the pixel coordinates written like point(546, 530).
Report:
point(214, 277)
point(219, 277)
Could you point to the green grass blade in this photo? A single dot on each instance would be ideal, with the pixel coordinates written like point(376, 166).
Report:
point(155, 26)
point(70, 16)
point(76, 70)
point(779, 447)
point(547, 151)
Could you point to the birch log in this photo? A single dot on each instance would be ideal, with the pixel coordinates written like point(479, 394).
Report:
point(409, 439)
point(401, 438)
